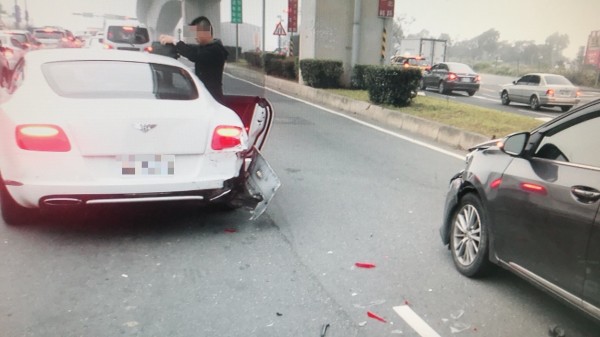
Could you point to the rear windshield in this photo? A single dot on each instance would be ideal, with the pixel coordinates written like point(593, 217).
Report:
point(19, 37)
point(460, 68)
point(128, 34)
point(557, 80)
point(42, 34)
point(119, 79)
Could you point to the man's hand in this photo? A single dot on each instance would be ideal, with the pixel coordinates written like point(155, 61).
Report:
point(165, 39)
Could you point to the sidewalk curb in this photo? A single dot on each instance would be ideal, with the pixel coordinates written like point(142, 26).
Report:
point(441, 133)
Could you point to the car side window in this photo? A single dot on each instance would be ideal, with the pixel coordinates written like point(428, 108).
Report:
point(534, 80)
point(443, 67)
point(576, 144)
point(523, 80)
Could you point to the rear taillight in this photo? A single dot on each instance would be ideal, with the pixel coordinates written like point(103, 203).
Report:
point(452, 77)
point(550, 92)
point(477, 78)
point(578, 94)
point(8, 53)
point(148, 49)
point(226, 136)
point(107, 46)
point(42, 137)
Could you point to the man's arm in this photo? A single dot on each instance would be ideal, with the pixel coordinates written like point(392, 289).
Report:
point(191, 52)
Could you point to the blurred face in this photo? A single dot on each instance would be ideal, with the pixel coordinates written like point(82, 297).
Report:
point(203, 35)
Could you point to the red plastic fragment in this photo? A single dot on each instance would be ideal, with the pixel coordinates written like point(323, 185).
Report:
point(364, 265)
point(230, 230)
point(406, 302)
point(374, 316)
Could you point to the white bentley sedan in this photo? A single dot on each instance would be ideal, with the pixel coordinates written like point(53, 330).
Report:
point(87, 127)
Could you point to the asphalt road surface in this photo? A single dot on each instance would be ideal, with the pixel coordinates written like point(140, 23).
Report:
point(351, 193)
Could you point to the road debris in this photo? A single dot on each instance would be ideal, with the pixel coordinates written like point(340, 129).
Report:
point(556, 331)
point(457, 314)
point(459, 327)
point(324, 329)
point(364, 265)
point(362, 323)
point(374, 316)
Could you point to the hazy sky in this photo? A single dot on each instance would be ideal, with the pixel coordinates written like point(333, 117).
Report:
point(514, 19)
point(461, 19)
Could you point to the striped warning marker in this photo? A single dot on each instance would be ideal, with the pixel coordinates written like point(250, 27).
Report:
point(383, 43)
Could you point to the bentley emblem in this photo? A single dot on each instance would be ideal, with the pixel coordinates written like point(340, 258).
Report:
point(144, 127)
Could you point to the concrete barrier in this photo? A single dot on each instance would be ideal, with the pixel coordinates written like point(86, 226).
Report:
point(441, 133)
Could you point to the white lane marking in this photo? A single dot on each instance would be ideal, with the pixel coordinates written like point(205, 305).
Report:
point(375, 127)
point(415, 322)
point(534, 113)
point(488, 99)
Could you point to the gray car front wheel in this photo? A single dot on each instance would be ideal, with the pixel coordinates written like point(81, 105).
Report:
point(469, 237)
point(505, 98)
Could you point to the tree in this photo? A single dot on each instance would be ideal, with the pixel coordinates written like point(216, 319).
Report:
point(398, 30)
point(556, 44)
point(487, 43)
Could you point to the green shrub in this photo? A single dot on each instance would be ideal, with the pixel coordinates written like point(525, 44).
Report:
point(392, 85)
point(321, 73)
point(253, 58)
point(281, 66)
point(358, 80)
point(231, 51)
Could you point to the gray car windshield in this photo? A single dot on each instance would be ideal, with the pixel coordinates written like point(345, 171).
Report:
point(118, 79)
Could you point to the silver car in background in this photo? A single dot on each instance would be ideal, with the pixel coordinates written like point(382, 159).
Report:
point(541, 90)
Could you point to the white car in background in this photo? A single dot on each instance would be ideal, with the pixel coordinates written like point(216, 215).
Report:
point(541, 90)
point(110, 127)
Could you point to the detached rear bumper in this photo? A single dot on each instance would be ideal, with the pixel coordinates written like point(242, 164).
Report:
point(259, 184)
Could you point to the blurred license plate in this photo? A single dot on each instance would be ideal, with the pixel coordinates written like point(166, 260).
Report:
point(564, 93)
point(465, 79)
point(147, 165)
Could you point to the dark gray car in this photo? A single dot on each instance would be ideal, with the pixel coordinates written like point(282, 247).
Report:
point(451, 76)
point(530, 203)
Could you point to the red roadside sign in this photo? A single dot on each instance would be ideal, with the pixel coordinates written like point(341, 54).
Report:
point(293, 16)
point(386, 8)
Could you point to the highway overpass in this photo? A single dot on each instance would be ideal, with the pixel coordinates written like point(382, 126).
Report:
point(347, 30)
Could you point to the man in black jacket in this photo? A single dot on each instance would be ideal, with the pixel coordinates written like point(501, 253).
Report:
point(208, 55)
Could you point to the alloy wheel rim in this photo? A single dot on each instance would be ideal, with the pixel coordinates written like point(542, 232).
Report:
point(466, 235)
point(534, 103)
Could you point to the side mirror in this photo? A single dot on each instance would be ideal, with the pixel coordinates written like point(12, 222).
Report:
point(514, 82)
point(515, 143)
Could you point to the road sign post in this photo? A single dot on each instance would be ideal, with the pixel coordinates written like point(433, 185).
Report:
point(236, 17)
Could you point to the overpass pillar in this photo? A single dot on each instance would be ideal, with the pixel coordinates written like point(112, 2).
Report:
point(339, 36)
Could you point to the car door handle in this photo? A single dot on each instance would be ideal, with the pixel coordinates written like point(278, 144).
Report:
point(585, 194)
